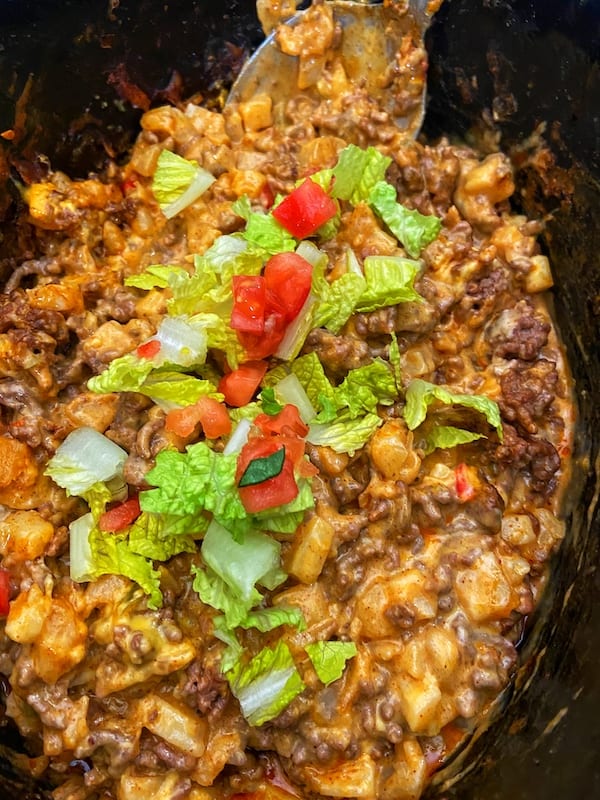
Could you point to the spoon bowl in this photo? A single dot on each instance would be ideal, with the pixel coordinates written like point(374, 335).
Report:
point(380, 48)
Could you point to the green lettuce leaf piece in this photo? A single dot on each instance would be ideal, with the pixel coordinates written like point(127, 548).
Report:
point(148, 536)
point(84, 459)
point(286, 518)
point(124, 374)
point(215, 592)
point(266, 685)
point(420, 394)
point(231, 254)
point(413, 229)
point(97, 497)
point(177, 388)
point(364, 388)
point(309, 371)
point(193, 482)
point(156, 276)
point(357, 172)
point(337, 300)
point(346, 434)
point(395, 361)
point(233, 650)
point(178, 182)
point(192, 293)
point(94, 553)
point(390, 280)
point(297, 331)
point(263, 230)
point(241, 565)
point(446, 436)
point(269, 402)
point(266, 619)
point(329, 658)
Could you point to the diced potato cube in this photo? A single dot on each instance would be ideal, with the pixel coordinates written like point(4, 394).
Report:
point(25, 535)
point(419, 702)
point(483, 591)
point(179, 726)
point(350, 779)
point(309, 551)
point(256, 113)
point(539, 278)
point(61, 643)
point(27, 614)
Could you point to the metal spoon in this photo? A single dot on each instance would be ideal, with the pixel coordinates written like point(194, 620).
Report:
point(381, 49)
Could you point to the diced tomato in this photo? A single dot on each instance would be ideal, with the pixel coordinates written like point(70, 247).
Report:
point(287, 421)
point(119, 517)
point(214, 418)
point(274, 491)
point(288, 277)
point(464, 488)
point(240, 385)
point(207, 412)
point(4, 592)
point(128, 185)
point(258, 346)
point(304, 210)
point(149, 349)
point(248, 313)
point(266, 197)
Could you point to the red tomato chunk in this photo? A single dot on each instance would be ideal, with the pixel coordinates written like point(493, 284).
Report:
point(118, 518)
point(240, 385)
point(304, 210)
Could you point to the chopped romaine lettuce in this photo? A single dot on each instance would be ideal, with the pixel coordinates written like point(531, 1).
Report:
point(390, 280)
point(445, 436)
point(357, 172)
point(177, 388)
point(267, 684)
point(413, 229)
point(420, 394)
point(242, 564)
point(286, 518)
point(337, 300)
point(290, 390)
point(297, 331)
point(124, 374)
point(364, 388)
point(85, 458)
point(181, 343)
point(346, 434)
point(178, 182)
point(94, 553)
point(156, 276)
point(150, 536)
point(266, 619)
point(193, 482)
point(309, 371)
point(329, 658)
point(263, 230)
